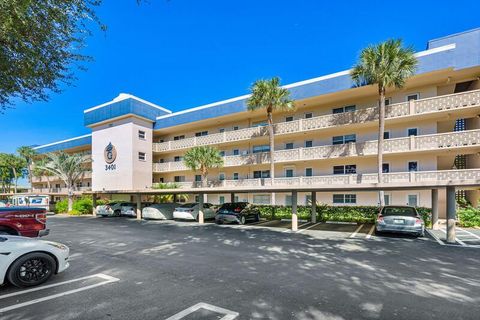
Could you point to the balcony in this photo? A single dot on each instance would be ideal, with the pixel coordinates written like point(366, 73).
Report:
point(86, 175)
point(436, 142)
point(422, 106)
point(440, 177)
point(60, 190)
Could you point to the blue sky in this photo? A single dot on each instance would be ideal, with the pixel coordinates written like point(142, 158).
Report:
point(185, 53)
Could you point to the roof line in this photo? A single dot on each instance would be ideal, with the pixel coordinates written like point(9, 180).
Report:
point(125, 96)
point(454, 34)
point(58, 142)
point(300, 83)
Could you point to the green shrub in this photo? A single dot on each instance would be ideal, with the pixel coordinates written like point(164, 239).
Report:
point(469, 217)
point(61, 206)
point(83, 205)
point(75, 213)
point(358, 214)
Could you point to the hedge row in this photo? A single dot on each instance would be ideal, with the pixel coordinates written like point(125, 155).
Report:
point(469, 217)
point(83, 205)
point(359, 214)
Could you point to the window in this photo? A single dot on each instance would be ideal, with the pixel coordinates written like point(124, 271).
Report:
point(412, 132)
point(179, 137)
point(344, 198)
point(261, 174)
point(221, 130)
point(412, 166)
point(262, 148)
point(288, 200)
point(308, 115)
point(414, 96)
point(141, 156)
point(386, 135)
point(236, 152)
point(289, 173)
point(197, 198)
point(308, 144)
point(261, 198)
point(177, 158)
point(161, 180)
point(289, 119)
point(388, 101)
point(198, 178)
point(221, 176)
point(412, 200)
point(201, 133)
point(141, 134)
point(162, 160)
point(222, 153)
point(236, 128)
point(386, 199)
point(289, 145)
point(385, 167)
point(235, 176)
point(236, 199)
point(308, 172)
point(308, 199)
point(347, 169)
point(349, 108)
point(344, 139)
point(179, 178)
point(79, 185)
point(259, 123)
point(221, 199)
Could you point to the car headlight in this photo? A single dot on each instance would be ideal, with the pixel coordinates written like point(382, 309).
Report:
point(57, 245)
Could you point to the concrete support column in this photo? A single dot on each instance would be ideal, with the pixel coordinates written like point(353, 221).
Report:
point(200, 208)
point(294, 211)
point(94, 204)
point(139, 206)
point(313, 217)
point(175, 198)
point(434, 209)
point(232, 197)
point(451, 214)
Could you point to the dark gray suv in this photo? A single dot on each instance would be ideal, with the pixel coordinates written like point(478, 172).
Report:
point(237, 212)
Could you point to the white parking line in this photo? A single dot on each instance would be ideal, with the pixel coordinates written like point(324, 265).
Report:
point(470, 233)
point(370, 232)
point(456, 239)
point(229, 315)
point(353, 235)
point(107, 278)
point(310, 227)
point(435, 237)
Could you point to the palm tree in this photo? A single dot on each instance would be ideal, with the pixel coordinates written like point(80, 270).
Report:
point(28, 153)
point(388, 65)
point(38, 170)
point(166, 198)
point(203, 158)
point(68, 167)
point(270, 96)
point(16, 165)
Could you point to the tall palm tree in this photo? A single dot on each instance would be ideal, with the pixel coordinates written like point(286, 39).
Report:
point(388, 65)
point(68, 167)
point(28, 153)
point(270, 96)
point(203, 158)
point(39, 171)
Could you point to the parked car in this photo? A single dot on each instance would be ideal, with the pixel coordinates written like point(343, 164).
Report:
point(400, 219)
point(28, 262)
point(237, 212)
point(189, 211)
point(113, 209)
point(23, 221)
point(159, 211)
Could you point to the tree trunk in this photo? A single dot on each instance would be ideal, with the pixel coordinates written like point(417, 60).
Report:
point(70, 198)
point(48, 184)
point(381, 130)
point(15, 178)
point(271, 139)
point(204, 178)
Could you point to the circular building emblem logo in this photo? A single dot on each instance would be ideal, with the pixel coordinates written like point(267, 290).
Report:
point(110, 153)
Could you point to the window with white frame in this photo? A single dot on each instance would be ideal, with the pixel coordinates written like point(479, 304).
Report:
point(349, 108)
point(413, 96)
point(289, 119)
point(288, 200)
point(261, 174)
point(142, 156)
point(141, 134)
point(385, 167)
point(236, 128)
point(261, 148)
point(386, 135)
point(388, 101)
point(308, 143)
point(345, 169)
point(308, 172)
point(344, 198)
point(198, 178)
point(412, 166)
point(344, 139)
point(201, 134)
point(179, 137)
point(221, 130)
point(308, 115)
point(412, 132)
point(221, 199)
point(179, 179)
point(289, 172)
point(308, 199)
point(236, 152)
point(412, 200)
point(235, 176)
point(289, 145)
point(387, 199)
point(221, 176)
point(177, 158)
point(261, 199)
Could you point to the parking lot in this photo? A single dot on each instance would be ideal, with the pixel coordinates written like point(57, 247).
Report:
point(128, 269)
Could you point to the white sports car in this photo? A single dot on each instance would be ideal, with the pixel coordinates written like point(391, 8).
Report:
point(26, 262)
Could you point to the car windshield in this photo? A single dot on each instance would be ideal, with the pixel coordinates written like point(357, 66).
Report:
point(188, 205)
point(399, 211)
point(233, 206)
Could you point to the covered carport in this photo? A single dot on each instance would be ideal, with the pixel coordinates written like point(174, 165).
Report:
point(449, 187)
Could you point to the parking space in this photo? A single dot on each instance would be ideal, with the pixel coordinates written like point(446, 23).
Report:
point(130, 269)
point(465, 237)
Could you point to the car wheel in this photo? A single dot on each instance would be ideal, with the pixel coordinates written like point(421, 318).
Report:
point(242, 220)
point(116, 213)
point(31, 269)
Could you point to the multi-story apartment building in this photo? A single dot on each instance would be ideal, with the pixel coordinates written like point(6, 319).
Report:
point(328, 144)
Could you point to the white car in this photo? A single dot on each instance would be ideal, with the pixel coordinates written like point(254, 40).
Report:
point(159, 211)
point(26, 262)
point(114, 209)
point(189, 211)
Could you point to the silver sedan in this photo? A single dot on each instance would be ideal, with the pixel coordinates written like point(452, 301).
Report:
point(400, 219)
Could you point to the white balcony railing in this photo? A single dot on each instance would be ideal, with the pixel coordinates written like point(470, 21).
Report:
point(439, 141)
point(35, 179)
point(60, 190)
point(428, 105)
point(440, 176)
